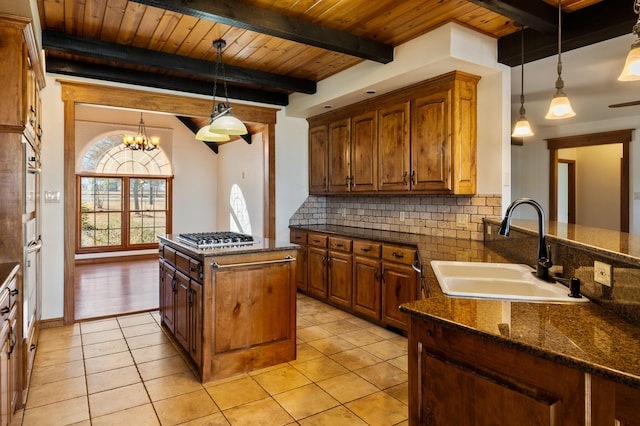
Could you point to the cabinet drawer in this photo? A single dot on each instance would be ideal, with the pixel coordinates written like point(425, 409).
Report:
point(169, 254)
point(182, 262)
point(343, 244)
point(317, 240)
point(404, 255)
point(5, 304)
point(366, 248)
point(298, 237)
point(195, 270)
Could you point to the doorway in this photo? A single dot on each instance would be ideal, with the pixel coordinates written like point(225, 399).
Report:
point(566, 191)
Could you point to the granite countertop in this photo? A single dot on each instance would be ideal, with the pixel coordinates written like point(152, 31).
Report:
point(584, 335)
point(260, 245)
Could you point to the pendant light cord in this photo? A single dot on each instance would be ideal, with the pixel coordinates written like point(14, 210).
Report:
point(522, 110)
point(559, 82)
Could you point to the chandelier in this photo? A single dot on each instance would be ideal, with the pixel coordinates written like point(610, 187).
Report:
point(222, 123)
point(141, 142)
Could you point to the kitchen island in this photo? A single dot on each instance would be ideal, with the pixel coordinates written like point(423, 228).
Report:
point(231, 309)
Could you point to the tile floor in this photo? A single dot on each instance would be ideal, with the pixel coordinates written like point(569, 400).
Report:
point(124, 371)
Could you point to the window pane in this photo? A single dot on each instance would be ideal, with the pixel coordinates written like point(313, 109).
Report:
point(145, 226)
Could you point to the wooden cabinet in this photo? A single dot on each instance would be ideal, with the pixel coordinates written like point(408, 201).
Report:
point(486, 383)
point(339, 287)
point(399, 283)
point(10, 373)
point(421, 139)
point(317, 265)
point(366, 279)
point(300, 238)
point(319, 157)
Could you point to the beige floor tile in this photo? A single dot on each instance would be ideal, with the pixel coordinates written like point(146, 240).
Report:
point(101, 336)
point(108, 362)
point(45, 359)
point(157, 338)
point(320, 369)
point(400, 341)
point(356, 359)
point(174, 385)
point(55, 333)
point(54, 373)
point(400, 392)
point(347, 387)
point(162, 367)
point(115, 400)
point(303, 323)
point(312, 333)
point(322, 318)
point(338, 416)
point(137, 319)
point(340, 327)
point(281, 380)
point(331, 345)
point(105, 348)
point(216, 419)
point(379, 409)
point(383, 375)
point(339, 313)
point(141, 329)
point(262, 412)
point(152, 353)
point(65, 412)
point(382, 332)
point(361, 323)
point(305, 401)
point(385, 350)
point(237, 392)
point(402, 362)
point(263, 370)
point(185, 407)
point(361, 337)
point(56, 392)
point(305, 352)
point(100, 325)
point(64, 342)
point(143, 415)
point(112, 379)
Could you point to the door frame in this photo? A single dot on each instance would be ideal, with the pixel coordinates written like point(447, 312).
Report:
point(75, 92)
point(571, 171)
point(605, 138)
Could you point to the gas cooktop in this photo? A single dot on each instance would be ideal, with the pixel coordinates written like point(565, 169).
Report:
point(204, 240)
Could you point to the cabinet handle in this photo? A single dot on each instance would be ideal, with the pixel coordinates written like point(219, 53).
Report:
point(339, 245)
point(12, 341)
point(398, 255)
point(375, 274)
point(316, 241)
point(14, 292)
point(382, 275)
point(413, 177)
point(347, 181)
point(32, 347)
point(404, 178)
point(174, 284)
point(5, 310)
point(189, 296)
point(365, 249)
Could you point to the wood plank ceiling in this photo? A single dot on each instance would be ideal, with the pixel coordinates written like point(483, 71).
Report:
point(275, 48)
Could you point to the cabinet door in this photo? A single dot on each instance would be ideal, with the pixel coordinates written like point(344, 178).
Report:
point(339, 156)
point(300, 238)
point(5, 378)
point(169, 286)
point(364, 152)
point(14, 363)
point(366, 287)
point(393, 148)
point(318, 159)
point(181, 328)
point(340, 272)
point(431, 142)
point(317, 276)
point(195, 321)
point(399, 285)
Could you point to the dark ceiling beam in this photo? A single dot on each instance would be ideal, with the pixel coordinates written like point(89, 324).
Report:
point(264, 21)
point(98, 49)
point(533, 14)
point(194, 128)
point(593, 24)
point(160, 81)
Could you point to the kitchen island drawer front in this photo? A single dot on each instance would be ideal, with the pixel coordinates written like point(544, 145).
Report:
point(298, 237)
point(195, 270)
point(367, 248)
point(317, 240)
point(182, 262)
point(397, 254)
point(342, 244)
point(169, 254)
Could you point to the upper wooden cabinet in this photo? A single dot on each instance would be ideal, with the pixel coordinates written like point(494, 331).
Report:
point(421, 139)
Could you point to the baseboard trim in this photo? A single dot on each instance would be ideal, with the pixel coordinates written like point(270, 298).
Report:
point(51, 323)
point(123, 258)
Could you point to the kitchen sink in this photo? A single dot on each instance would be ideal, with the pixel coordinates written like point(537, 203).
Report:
point(498, 281)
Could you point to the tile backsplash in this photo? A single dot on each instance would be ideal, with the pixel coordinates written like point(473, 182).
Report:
point(454, 216)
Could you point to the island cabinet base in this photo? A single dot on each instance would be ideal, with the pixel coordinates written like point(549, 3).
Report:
point(457, 378)
point(230, 313)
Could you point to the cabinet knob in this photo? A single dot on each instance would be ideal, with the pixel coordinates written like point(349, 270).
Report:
point(398, 255)
point(14, 292)
point(365, 249)
point(4, 311)
point(404, 178)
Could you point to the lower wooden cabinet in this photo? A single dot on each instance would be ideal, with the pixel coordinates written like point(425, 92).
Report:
point(366, 287)
point(317, 272)
point(10, 378)
point(399, 283)
point(339, 287)
point(300, 238)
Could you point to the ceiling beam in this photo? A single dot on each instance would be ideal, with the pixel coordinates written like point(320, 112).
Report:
point(593, 24)
point(533, 14)
point(160, 81)
point(194, 128)
point(98, 49)
point(264, 21)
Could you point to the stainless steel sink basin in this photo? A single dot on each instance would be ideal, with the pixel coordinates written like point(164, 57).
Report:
point(498, 281)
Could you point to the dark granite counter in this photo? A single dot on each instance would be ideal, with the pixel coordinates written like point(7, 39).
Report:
point(584, 336)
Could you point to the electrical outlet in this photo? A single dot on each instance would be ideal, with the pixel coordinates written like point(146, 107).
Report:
point(401, 216)
point(602, 273)
point(462, 220)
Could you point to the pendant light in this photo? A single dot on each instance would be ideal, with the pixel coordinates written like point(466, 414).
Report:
point(223, 122)
point(560, 106)
point(522, 128)
point(631, 70)
point(141, 141)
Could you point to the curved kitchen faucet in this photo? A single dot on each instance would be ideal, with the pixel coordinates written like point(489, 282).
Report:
point(543, 262)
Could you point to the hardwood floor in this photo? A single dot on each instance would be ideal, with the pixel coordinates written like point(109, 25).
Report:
point(116, 288)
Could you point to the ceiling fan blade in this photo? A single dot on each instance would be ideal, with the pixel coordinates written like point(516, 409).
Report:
point(625, 104)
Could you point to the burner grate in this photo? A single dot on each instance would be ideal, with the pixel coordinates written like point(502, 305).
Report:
point(215, 239)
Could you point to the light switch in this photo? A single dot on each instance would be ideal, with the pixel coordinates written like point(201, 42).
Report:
point(51, 196)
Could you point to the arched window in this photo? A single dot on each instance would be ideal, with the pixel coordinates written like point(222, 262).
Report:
point(124, 197)
point(239, 220)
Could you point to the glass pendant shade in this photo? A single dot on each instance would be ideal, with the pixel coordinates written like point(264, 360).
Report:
point(560, 107)
point(631, 70)
point(227, 124)
point(522, 129)
point(205, 135)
